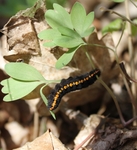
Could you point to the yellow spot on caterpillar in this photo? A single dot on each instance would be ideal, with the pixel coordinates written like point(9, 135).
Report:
point(53, 104)
point(81, 81)
point(87, 78)
point(65, 87)
point(71, 84)
point(76, 83)
point(55, 100)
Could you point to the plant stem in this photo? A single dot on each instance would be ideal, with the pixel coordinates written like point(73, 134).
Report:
point(114, 98)
point(121, 16)
point(109, 91)
point(131, 55)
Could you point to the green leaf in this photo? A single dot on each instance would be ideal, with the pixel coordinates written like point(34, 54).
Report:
point(113, 26)
point(66, 58)
point(53, 19)
point(43, 96)
point(64, 15)
point(134, 28)
point(118, 1)
point(68, 42)
point(50, 44)
point(23, 72)
point(46, 101)
point(68, 32)
point(88, 32)
point(78, 15)
point(16, 89)
point(58, 17)
point(88, 21)
point(49, 34)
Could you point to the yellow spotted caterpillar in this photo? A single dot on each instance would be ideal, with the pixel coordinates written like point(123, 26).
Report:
point(71, 84)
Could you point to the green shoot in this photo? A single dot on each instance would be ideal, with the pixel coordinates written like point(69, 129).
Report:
point(67, 30)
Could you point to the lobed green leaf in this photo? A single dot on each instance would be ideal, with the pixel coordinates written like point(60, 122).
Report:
point(23, 72)
point(66, 58)
point(49, 34)
point(16, 89)
point(58, 17)
point(68, 42)
point(50, 44)
point(87, 22)
point(78, 15)
point(68, 32)
point(64, 15)
point(88, 32)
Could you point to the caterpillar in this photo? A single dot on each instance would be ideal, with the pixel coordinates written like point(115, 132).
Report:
point(70, 84)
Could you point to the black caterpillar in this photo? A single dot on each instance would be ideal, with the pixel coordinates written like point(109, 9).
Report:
point(70, 84)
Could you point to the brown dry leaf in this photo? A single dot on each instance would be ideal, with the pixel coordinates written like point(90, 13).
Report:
point(108, 141)
point(46, 141)
point(131, 134)
point(103, 57)
point(111, 135)
point(132, 145)
point(90, 125)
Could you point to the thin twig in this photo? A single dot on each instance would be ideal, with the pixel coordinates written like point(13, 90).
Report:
point(121, 16)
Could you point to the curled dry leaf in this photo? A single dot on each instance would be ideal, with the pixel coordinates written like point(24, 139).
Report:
point(46, 141)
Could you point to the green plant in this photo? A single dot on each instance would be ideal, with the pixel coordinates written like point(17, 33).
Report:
point(118, 1)
point(67, 30)
point(24, 77)
point(68, 33)
point(23, 80)
point(115, 25)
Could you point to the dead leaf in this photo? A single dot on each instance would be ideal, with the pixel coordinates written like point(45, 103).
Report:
point(46, 141)
point(90, 125)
